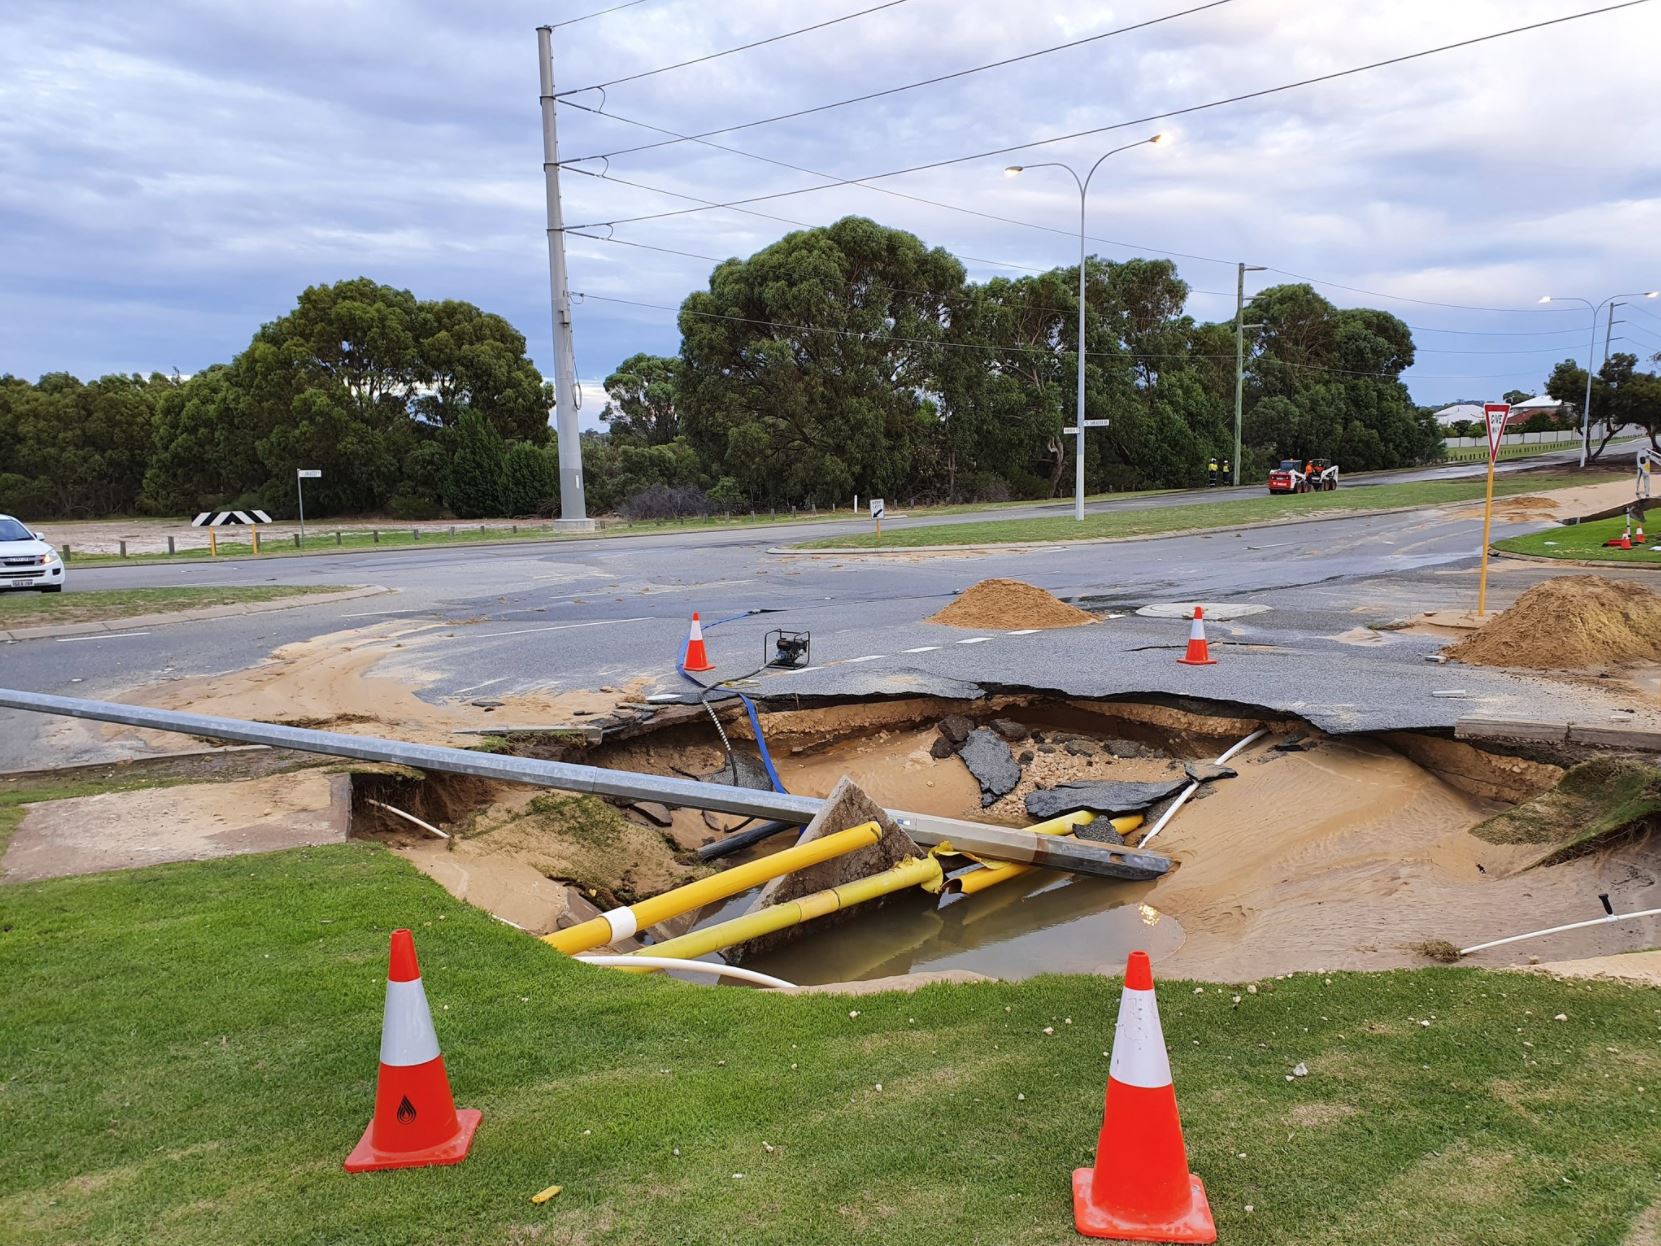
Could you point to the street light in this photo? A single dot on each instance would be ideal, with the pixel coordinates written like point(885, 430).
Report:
point(1591, 353)
point(1015, 170)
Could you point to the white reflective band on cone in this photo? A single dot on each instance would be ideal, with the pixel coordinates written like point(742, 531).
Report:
point(407, 1035)
point(1197, 632)
point(1139, 1057)
point(622, 923)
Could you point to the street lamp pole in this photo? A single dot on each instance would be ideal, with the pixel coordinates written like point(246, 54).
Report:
point(1083, 190)
point(1240, 356)
point(1591, 356)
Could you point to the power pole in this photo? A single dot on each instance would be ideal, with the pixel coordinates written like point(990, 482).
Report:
point(1240, 356)
point(573, 506)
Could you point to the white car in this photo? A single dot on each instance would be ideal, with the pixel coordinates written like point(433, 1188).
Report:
point(27, 561)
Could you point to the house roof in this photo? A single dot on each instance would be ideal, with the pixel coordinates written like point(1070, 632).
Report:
point(1459, 411)
point(1540, 402)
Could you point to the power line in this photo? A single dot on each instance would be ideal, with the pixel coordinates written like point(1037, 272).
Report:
point(743, 47)
point(1233, 99)
point(910, 86)
point(572, 21)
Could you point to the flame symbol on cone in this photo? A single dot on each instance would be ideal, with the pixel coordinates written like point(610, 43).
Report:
point(406, 1111)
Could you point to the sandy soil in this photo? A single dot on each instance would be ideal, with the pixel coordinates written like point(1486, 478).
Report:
point(1561, 503)
point(191, 822)
point(330, 683)
point(1345, 856)
point(1571, 623)
point(1009, 604)
point(1644, 967)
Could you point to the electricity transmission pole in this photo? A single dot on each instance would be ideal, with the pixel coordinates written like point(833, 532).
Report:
point(1240, 357)
point(573, 507)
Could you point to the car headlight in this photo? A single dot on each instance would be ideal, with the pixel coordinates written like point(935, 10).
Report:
point(46, 559)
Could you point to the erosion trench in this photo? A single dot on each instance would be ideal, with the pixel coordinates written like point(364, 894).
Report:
point(1316, 853)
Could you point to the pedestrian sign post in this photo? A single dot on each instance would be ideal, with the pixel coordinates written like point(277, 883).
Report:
point(876, 514)
point(301, 475)
point(1496, 414)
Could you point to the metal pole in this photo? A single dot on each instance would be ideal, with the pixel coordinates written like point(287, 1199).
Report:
point(300, 486)
point(1239, 361)
point(997, 842)
point(1078, 448)
point(1586, 407)
point(573, 506)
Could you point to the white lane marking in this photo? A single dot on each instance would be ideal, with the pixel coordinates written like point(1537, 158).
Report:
point(975, 640)
point(64, 640)
point(461, 692)
point(923, 649)
point(1025, 631)
point(557, 627)
point(870, 657)
point(375, 614)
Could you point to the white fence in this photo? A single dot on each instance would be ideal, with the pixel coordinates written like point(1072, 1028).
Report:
point(1565, 437)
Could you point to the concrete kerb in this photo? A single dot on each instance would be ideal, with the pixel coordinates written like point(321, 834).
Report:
point(1611, 565)
point(128, 622)
point(994, 547)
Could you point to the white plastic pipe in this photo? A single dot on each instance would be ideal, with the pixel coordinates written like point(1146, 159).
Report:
point(410, 817)
point(1194, 787)
point(710, 967)
point(1536, 934)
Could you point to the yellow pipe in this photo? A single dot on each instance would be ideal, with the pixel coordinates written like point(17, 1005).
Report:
point(599, 931)
point(970, 882)
point(922, 872)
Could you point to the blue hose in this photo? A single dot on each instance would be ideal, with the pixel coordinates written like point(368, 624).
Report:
point(749, 708)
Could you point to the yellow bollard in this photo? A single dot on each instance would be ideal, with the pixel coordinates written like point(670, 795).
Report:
point(922, 872)
point(213, 544)
point(623, 922)
point(255, 533)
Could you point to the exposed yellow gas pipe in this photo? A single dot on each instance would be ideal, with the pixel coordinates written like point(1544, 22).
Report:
point(623, 922)
point(922, 872)
point(979, 879)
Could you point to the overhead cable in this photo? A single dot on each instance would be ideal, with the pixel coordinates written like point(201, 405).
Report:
point(743, 47)
point(572, 21)
point(910, 86)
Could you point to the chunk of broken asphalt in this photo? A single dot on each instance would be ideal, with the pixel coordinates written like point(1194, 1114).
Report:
point(987, 755)
point(1009, 729)
point(1207, 771)
point(956, 728)
point(1111, 798)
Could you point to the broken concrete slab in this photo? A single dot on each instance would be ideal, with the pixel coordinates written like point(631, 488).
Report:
point(987, 755)
point(653, 813)
point(845, 807)
point(1110, 798)
point(1208, 771)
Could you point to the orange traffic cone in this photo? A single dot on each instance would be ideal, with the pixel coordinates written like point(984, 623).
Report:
point(1141, 1189)
point(416, 1123)
point(1199, 653)
point(697, 659)
point(1638, 537)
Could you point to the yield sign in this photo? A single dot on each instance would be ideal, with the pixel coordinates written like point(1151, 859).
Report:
point(1496, 413)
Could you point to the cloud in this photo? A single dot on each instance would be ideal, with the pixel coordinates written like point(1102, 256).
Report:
point(177, 172)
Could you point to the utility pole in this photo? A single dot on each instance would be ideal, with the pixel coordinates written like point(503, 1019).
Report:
point(573, 506)
point(1240, 356)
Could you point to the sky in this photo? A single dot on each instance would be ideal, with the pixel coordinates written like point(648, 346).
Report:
point(176, 172)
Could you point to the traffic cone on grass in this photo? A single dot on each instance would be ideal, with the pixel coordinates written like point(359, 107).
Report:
point(1140, 1189)
point(697, 658)
point(416, 1123)
point(1199, 653)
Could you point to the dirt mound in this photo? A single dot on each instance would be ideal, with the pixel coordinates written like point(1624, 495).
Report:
point(1009, 604)
point(1569, 624)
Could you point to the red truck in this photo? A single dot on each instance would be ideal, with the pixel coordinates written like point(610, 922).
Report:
point(1303, 476)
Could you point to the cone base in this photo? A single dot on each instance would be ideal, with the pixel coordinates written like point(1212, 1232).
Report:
point(1196, 661)
point(1195, 1226)
point(365, 1158)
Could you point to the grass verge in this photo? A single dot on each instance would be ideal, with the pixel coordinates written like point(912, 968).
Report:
point(1171, 519)
point(190, 1052)
point(35, 609)
point(1597, 799)
point(1583, 542)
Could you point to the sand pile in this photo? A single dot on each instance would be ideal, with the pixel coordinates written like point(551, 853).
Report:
point(1569, 624)
point(1009, 604)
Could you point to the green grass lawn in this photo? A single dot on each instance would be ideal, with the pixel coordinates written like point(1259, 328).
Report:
point(1171, 519)
point(1584, 541)
point(189, 1052)
point(37, 609)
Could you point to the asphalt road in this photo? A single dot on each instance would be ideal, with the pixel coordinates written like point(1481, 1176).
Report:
point(571, 615)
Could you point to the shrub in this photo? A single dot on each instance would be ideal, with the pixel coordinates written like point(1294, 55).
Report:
point(477, 457)
point(987, 487)
point(527, 479)
point(665, 502)
point(728, 496)
point(413, 506)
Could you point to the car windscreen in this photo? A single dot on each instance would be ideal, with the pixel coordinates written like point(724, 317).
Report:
point(11, 530)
